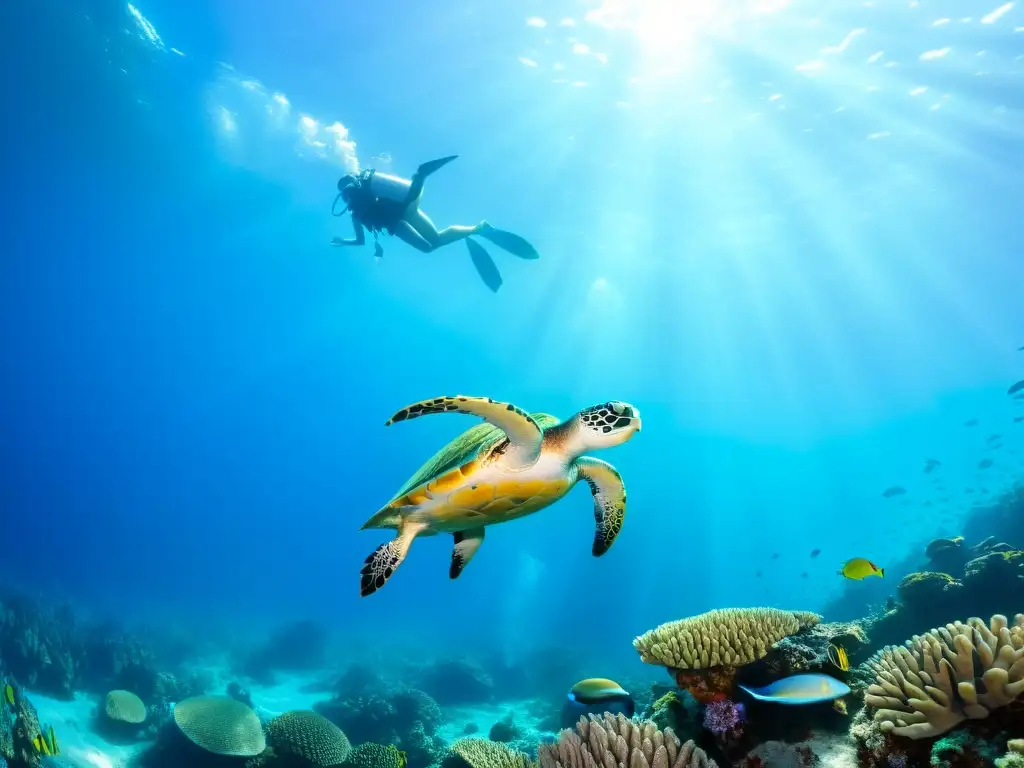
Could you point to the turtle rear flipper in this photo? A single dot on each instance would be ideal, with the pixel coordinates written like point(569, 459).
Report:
point(379, 566)
point(466, 545)
point(524, 434)
point(609, 500)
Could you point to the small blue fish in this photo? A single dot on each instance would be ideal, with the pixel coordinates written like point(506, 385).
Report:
point(800, 689)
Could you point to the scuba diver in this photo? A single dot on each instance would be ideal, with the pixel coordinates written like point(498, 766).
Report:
point(381, 202)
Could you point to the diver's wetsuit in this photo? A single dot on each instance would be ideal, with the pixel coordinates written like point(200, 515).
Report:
point(377, 214)
point(389, 207)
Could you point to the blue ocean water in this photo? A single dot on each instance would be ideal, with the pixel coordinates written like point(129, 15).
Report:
point(787, 232)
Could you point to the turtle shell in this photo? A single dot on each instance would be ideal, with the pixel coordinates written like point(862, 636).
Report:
point(462, 449)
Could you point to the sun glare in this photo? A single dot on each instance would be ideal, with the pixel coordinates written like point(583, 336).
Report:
point(669, 27)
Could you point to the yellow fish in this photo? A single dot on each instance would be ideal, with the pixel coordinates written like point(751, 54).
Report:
point(837, 655)
point(39, 742)
point(9, 694)
point(859, 568)
point(54, 747)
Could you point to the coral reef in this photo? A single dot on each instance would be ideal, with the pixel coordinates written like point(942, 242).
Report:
point(124, 707)
point(310, 736)
point(1014, 757)
point(53, 651)
point(407, 718)
point(238, 693)
point(923, 589)
point(670, 711)
point(480, 753)
point(542, 672)
point(929, 686)
point(24, 731)
point(455, 681)
point(221, 725)
point(297, 646)
point(505, 730)
point(617, 742)
point(763, 644)
point(723, 717)
point(39, 645)
point(370, 755)
point(358, 680)
point(120, 716)
point(722, 637)
point(821, 750)
point(808, 651)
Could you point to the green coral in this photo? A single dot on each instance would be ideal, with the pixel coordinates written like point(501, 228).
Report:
point(921, 589)
point(995, 566)
point(305, 734)
point(6, 737)
point(961, 744)
point(124, 707)
point(481, 753)
point(668, 711)
point(371, 755)
point(221, 725)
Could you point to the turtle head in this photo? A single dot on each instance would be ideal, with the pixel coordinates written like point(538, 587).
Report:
point(607, 424)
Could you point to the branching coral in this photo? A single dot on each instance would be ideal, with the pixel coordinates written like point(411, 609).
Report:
point(948, 675)
point(481, 753)
point(370, 755)
point(618, 742)
point(723, 637)
point(406, 718)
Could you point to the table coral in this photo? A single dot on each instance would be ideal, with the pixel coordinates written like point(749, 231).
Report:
point(722, 637)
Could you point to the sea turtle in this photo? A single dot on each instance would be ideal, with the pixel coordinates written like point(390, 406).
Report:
point(509, 467)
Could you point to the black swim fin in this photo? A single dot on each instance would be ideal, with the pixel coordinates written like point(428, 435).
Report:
point(434, 165)
point(416, 187)
point(485, 265)
point(512, 243)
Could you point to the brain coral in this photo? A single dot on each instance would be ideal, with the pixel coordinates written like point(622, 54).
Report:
point(948, 675)
point(308, 735)
point(221, 725)
point(370, 755)
point(722, 637)
point(618, 742)
point(124, 707)
point(481, 753)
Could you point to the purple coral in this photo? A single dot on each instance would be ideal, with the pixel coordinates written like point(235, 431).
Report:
point(897, 760)
point(720, 717)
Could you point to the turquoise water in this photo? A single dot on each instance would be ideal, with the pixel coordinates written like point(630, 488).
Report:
point(787, 232)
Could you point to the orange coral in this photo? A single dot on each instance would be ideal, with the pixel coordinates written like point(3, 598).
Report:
point(707, 685)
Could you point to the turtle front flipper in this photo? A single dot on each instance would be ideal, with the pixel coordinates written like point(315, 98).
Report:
point(523, 432)
point(379, 566)
point(466, 545)
point(609, 500)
